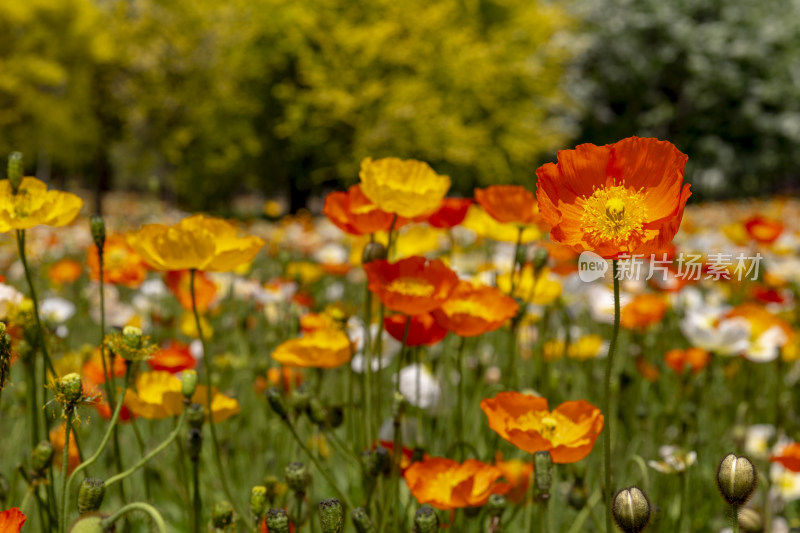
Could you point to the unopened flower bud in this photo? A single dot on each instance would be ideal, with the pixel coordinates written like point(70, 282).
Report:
point(631, 510)
point(736, 479)
point(42, 456)
point(15, 171)
point(222, 516)
point(577, 496)
point(272, 484)
point(132, 336)
point(188, 383)
point(91, 494)
point(540, 259)
point(98, 228)
point(362, 521)
point(196, 414)
point(335, 417)
point(426, 520)
point(751, 521)
point(258, 502)
point(72, 389)
point(543, 473)
point(91, 523)
point(276, 402)
point(194, 444)
point(497, 504)
point(317, 411)
point(373, 251)
point(299, 398)
point(379, 462)
point(277, 521)
point(331, 516)
point(297, 477)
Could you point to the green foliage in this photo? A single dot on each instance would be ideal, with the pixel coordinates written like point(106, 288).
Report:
point(718, 79)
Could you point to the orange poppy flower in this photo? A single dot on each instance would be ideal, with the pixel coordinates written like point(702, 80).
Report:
point(763, 230)
point(568, 432)
point(93, 368)
point(423, 329)
point(322, 348)
point(179, 283)
point(447, 484)
point(158, 395)
point(121, 264)
point(284, 377)
point(411, 286)
point(475, 309)
point(644, 310)
point(621, 198)
point(354, 213)
point(65, 271)
point(517, 474)
point(789, 457)
point(646, 369)
point(761, 320)
point(11, 520)
point(57, 438)
point(174, 357)
point(452, 212)
point(694, 359)
point(509, 204)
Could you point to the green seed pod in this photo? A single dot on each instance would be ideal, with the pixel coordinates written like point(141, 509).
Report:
point(736, 479)
point(258, 502)
point(543, 473)
point(751, 521)
point(188, 383)
point(497, 504)
point(362, 521)
point(277, 521)
point(132, 337)
point(335, 417)
point(15, 171)
point(276, 402)
point(317, 411)
point(331, 516)
point(196, 415)
point(426, 520)
point(194, 444)
point(42, 457)
point(72, 389)
point(91, 523)
point(297, 477)
point(222, 516)
point(98, 228)
point(631, 510)
point(90, 495)
point(540, 257)
point(373, 251)
point(300, 397)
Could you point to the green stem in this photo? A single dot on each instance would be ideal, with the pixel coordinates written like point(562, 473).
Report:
point(460, 409)
point(197, 504)
point(684, 490)
point(609, 416)
point(157, 450)
point(544, 523)
point(141, 444)
point(368, 361)
point(161, 527)
point(33, 413)
point(62, 521)
point(513, 271)
point(34, 299)
point(735, 518)
point(209, 395)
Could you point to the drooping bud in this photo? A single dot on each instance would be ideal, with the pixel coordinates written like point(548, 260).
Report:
point(72, 389)
point(543, 473)
point(497, 504)
point(426, 520)
point(258, 502)
point(736, 479)
point(276, 402)
point(98, 228)
point(373, 251)
point(297, 477)
point(15, 171)
point(42, 457)
point(331, 516)
point(188, 383)
point(277, 521)
point(194, 444)
point(91, 494)
point(362, 521)
point(631, 510)
point(222, 516)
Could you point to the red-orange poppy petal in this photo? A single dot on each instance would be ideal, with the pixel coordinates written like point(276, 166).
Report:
point(174, 357)
point(789, 457)
point(423, 329)
point(12, 520)
point(509, 204)
point(475, 309)
point(452, 212)
point(411, 286)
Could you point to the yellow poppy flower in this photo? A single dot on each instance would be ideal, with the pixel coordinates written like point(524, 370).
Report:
point(545, 290)
point(407, 188)
point(34, 205)
point(484, 225)
point(197, 242)
point(188, 326)
point(322, 348)
point(158, 395)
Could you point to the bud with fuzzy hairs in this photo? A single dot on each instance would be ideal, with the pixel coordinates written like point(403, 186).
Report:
point(297, 477)
point(362, 521)
point(426, 520)
point(90, 495)
point(98, 228)
point(222, 517)
point(41, 457)
point(631, 510)
point(258, 503)
point(196, 414)
point(331, 516)
point(737, 479)
point(373, 251)
point(15, 171)
point(277, 521)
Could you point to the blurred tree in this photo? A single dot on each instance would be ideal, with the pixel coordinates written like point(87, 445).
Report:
point(720, 79)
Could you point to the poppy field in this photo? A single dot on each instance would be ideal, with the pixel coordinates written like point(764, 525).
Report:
point(595, 353)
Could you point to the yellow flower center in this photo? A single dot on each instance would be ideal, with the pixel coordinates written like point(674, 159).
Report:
point(411, 287)
point(614, 214)
point(469, 307)
point(364, 209)
point(549, 426)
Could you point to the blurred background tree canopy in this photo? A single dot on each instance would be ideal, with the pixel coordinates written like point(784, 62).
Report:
point(200, 100)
